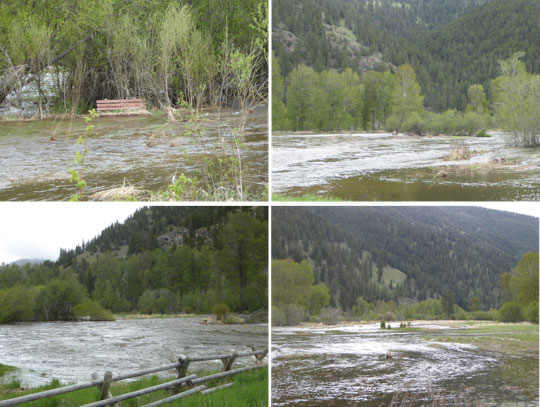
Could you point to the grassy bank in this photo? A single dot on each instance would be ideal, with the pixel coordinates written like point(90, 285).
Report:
point(249, 389)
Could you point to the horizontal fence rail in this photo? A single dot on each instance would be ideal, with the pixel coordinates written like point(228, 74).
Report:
point(119, 104)
point(182, 380)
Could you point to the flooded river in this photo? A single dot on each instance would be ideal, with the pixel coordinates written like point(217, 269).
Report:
point(366, 366)
point(71, 351)
point(382, 166)
point(145, 151)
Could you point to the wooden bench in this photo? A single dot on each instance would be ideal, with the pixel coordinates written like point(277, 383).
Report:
point(119, 104)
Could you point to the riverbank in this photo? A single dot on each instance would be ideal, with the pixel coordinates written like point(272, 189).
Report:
point(249, 389)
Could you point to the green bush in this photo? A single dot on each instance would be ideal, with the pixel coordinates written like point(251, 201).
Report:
point(16, 305)
point(278, 317)
point(221, 311)
point(294, 314)
point(92, 311)
point(511, 312)
point(158, 302)
point(531, 313)
point(383, 324)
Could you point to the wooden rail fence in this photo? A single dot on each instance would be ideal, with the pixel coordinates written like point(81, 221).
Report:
point(182, 380)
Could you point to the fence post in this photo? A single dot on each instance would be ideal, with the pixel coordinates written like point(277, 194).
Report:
point(104, 388)
point(228, 362)
point(261, 356)
point(182, 371)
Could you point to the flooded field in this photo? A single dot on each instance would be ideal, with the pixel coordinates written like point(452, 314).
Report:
point(382, 166)
point(71, 351)
point(145, 151)
point(366, 366)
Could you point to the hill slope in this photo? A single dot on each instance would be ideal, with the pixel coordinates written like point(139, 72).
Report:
point(450, 44)
point(465, 249)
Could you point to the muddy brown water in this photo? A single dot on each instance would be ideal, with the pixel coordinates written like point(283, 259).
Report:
point(34, 167)
point(71, 351)
point(348, 366)
point(381, 166)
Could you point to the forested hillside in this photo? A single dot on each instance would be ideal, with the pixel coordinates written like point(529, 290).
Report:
point(404, 254)
point(160, 260)
point(450, 44)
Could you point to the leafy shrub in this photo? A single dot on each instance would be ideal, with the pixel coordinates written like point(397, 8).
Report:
point(158, 302)
point(221, 311)
point(414, 124)
point(491, 315)
point(511, 312)
point(531, 313)
point(93, 311)
point(16, 305)
point(330, 316)
point(294, 314)
point(383, 324)
point(278, 317)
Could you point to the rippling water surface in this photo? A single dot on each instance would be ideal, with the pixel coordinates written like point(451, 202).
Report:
point(348, 366)
point(34, 167)
point(71, 351)
point(382, 166)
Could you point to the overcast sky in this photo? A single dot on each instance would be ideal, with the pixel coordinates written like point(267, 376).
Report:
point(39, 230)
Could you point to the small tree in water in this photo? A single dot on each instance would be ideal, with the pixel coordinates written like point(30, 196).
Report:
point(516, 98)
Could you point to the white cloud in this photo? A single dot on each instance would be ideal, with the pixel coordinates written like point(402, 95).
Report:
point(39, 230)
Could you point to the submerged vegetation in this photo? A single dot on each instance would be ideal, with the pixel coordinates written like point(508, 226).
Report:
point(165, 52)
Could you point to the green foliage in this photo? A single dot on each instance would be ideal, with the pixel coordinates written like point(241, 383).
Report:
point(251, 388)
point(344, 246)
point(77, 176)
point(383, 324)
point(450, 44)
point(16, 304)
point(516, 100)
point(93, 311)
point(221, 311)
point(160, 50)
point(222, 258)
point(474, 304)
point(521, 288)
point(294, 314)
point(57, 300)
point(511, 312)
point(318, 298)
point(160, 301)
point(278, 317)
point(407, 96)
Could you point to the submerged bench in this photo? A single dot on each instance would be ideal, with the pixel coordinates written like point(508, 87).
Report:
point(119, 104)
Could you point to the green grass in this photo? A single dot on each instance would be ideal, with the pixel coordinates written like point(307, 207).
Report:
point(250, 389)
point(305, 198)
point(513, 339)
point(6, 369)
